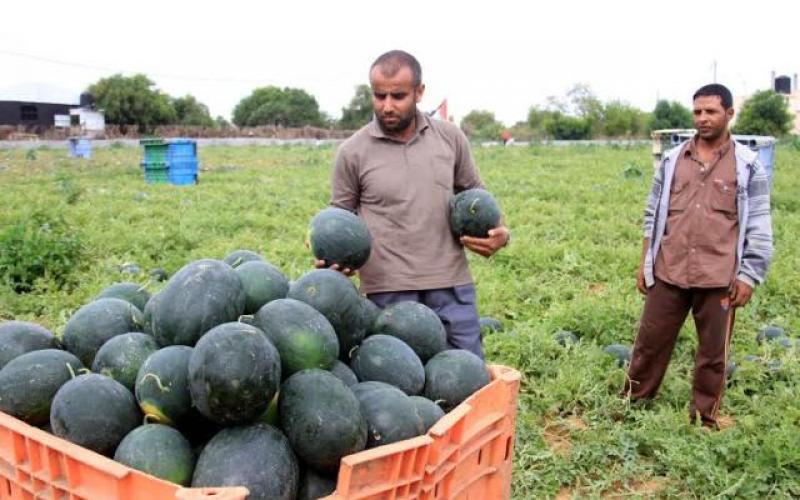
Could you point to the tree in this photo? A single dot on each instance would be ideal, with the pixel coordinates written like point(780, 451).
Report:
point(131, 101)
point(564, 127)
point(190, 111)
point(671, 114)
point(481, 125)
point(538, 119)
point(359, 112)
point(586, 105)
point(271, 105)
point(765, 113)
point(622, 120)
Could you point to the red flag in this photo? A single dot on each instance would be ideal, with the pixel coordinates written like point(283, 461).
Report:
point(443, 110)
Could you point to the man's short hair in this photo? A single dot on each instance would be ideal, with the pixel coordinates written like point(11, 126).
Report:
point(718, 90)
point(391, 62)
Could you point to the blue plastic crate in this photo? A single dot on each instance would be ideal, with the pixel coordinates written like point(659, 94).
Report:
point(182, 149)
point(183, 172)
point(80, 147)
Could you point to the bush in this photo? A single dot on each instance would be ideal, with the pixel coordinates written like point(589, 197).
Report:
point(41, 246)
point(481, 125)
point(565, 127)
point(671, 114)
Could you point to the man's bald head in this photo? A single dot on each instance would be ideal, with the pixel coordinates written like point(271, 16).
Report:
point(390, 63)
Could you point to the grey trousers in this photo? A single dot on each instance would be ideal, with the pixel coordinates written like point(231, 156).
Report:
point(455, 306)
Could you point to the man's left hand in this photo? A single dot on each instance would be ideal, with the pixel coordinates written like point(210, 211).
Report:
point(740, 293)
point(497, 239)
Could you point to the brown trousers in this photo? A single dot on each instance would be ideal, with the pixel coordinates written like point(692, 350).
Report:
point(665, 309)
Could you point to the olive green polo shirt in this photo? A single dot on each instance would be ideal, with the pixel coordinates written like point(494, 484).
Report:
point(402, 191)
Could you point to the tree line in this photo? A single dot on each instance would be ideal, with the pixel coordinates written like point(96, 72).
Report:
point(135, 102)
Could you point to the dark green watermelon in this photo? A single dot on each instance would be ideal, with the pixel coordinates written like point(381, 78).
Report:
point(428, 411)
point(473, 212)
point(340, 237)
point(388, 359)
point(239, 257)
point(622, 353)
point(162, 385)
point(565, 338)
point(256, 456)
point(202, 295)
point(262, 283)
point(314, 486)
point(97, 322)
point(770, 333)
point(304, 338)
point(415, 324)
point(335, 296)
point(234, 372)
point(29, 382)
point(372, 385)
point(490, 325)
point(159, 274)
point(94, 411)
point(19, 337)
point(321, 418)
point(121, 357)
point(369, 315)
point(391, 416)
point(454, 375)
point(131, 292)
point(160, 451)
point(344, 373)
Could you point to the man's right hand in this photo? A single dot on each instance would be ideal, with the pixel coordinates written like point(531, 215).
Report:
point(640, 282)
point(320, 264)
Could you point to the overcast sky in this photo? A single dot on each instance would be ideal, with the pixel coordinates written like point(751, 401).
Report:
point(499, 56)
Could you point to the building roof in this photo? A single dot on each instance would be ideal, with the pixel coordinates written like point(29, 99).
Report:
point(39, 92)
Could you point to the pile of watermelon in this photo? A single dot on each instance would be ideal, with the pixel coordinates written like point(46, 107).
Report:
point(231, 375)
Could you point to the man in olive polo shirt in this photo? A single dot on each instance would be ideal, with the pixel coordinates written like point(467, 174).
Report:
point(398, 173)
point(707, 244)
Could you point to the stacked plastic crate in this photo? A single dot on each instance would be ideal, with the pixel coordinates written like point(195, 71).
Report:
point(155, 161)
point(170, 161)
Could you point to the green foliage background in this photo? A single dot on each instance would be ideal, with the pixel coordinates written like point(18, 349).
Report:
point(575, 216)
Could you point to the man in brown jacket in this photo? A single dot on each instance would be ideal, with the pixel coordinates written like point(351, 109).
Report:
point(707, 243)
point(398, 173)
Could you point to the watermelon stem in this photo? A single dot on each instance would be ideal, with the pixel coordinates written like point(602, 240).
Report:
point(84, 371)
point(71, 371)
point(155, 377)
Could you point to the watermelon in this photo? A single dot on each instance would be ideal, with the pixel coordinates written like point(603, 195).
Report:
point(314, 486)
point(344, 373)
point(159, 274)
point(19, 337)
point(158, 450)
point(94, 411)
point(302, 335)
point(770, 333)
point(262, 283)
point(473, 212)
point(372, 385)
point(239, 257)
point(121, 357)
point(340, 237)
point(622, 353)
point(234, 372)
point(428, 411)
point(201, 295)
point(565, 338)
point(256, 456)
point(97, 322)
point(131, 292)
point(321, 418)
point(29, 382)
point(415, 324)
point(490, 325)
point(454, 375)
point(388, 359)
point(391, 416)
point(335, 296)
point(162, 386)
point(369, 315)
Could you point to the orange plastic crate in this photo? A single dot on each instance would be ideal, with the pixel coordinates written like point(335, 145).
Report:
point(467, 454)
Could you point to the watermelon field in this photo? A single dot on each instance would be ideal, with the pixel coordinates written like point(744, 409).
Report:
point(575, 215)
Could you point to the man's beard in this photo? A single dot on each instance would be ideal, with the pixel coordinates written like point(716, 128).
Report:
point(400, 125)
